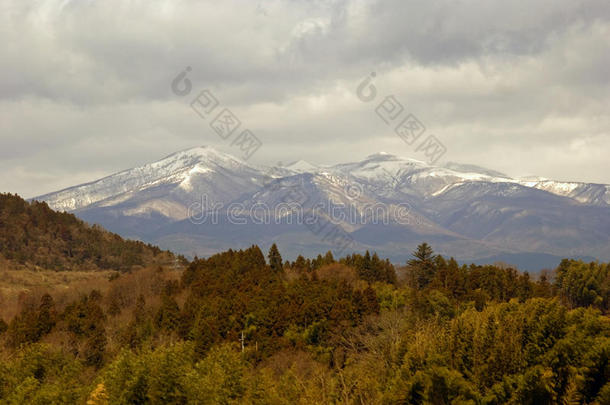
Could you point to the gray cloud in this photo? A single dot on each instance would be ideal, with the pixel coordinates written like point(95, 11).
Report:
point(521, 87)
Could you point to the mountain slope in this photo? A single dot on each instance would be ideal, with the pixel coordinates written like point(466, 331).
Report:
point(34, 235)
point(198, 170)
point(188, 201)
point(586, 193)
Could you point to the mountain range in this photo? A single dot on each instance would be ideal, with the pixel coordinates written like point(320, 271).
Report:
point(200, 201)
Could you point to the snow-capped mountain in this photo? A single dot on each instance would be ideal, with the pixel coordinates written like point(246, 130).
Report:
point(302, 166)
point(586, 193)
point(196, 201)
point(166, 186)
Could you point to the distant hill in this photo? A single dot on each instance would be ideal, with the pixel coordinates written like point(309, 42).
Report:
point(32, 234)
point(532, 262)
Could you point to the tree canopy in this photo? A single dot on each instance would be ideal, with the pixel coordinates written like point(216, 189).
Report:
point(236, 328)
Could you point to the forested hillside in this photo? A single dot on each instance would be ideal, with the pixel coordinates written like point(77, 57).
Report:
point(240, 327)
point(33, 234)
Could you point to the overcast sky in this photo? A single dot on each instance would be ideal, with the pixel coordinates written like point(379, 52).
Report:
point(522, 87)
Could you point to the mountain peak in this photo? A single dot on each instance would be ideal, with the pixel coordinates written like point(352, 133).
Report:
point(178, 168)
point(302, 166)
point(204, 151)
point(156, 200)
point(203, 169)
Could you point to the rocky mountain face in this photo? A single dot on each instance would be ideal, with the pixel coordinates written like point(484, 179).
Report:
point(200, 201)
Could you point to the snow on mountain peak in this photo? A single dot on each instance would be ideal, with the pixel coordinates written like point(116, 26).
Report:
point(465, 202)
point(302, 166)
point(177, 168)
point(203, 169)
point(204, 154)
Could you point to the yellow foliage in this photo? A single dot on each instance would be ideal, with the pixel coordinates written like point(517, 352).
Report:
point(98, 396)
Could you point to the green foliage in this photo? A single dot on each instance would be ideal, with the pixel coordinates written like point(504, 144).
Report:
point(234, 292)
point(477, 284)
point(371, 268)
point(452, 335)
point(439, 385)
point(126, 378)
point(275, 259)
point(33, 323)
point(32, 233)
point(84, 317)
point(40, 375)
point(84, 320)
point(422, 268)
point(168, 316)
point(582, 284)
point(218, 378)
point(169, 375)
point(95, 348)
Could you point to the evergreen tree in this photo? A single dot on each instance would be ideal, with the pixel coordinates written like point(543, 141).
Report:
point(422, 267)
point(46, 315)
point(525, 288)
point(543, 287)
point(370, 302)
point(317, 262)
point(456, 278)
point(95, 347)
point(328, 258)
point(168, 316)
point(275, 259)
point(139, 311)
point(300, 264)
point(365, 270)
point(474, 335)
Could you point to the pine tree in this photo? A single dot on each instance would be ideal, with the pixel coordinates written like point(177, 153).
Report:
point(140, 310)
point(95, 347)
point(46, 315)
point(455, 279)
point(365, 270)
point(543, 287)
point(524, 287)
point(371, 304)
point(168, 316)
point(390, 272)
point(422, 267)
point(300, 264)
point(317, 262)
point(328, 258)
point(275, 259)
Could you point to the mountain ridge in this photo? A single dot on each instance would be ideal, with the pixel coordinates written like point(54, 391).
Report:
point(464, 209)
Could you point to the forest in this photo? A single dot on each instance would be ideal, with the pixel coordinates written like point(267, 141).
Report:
point(33, 235)
point(247, 327)
point(240, 327)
